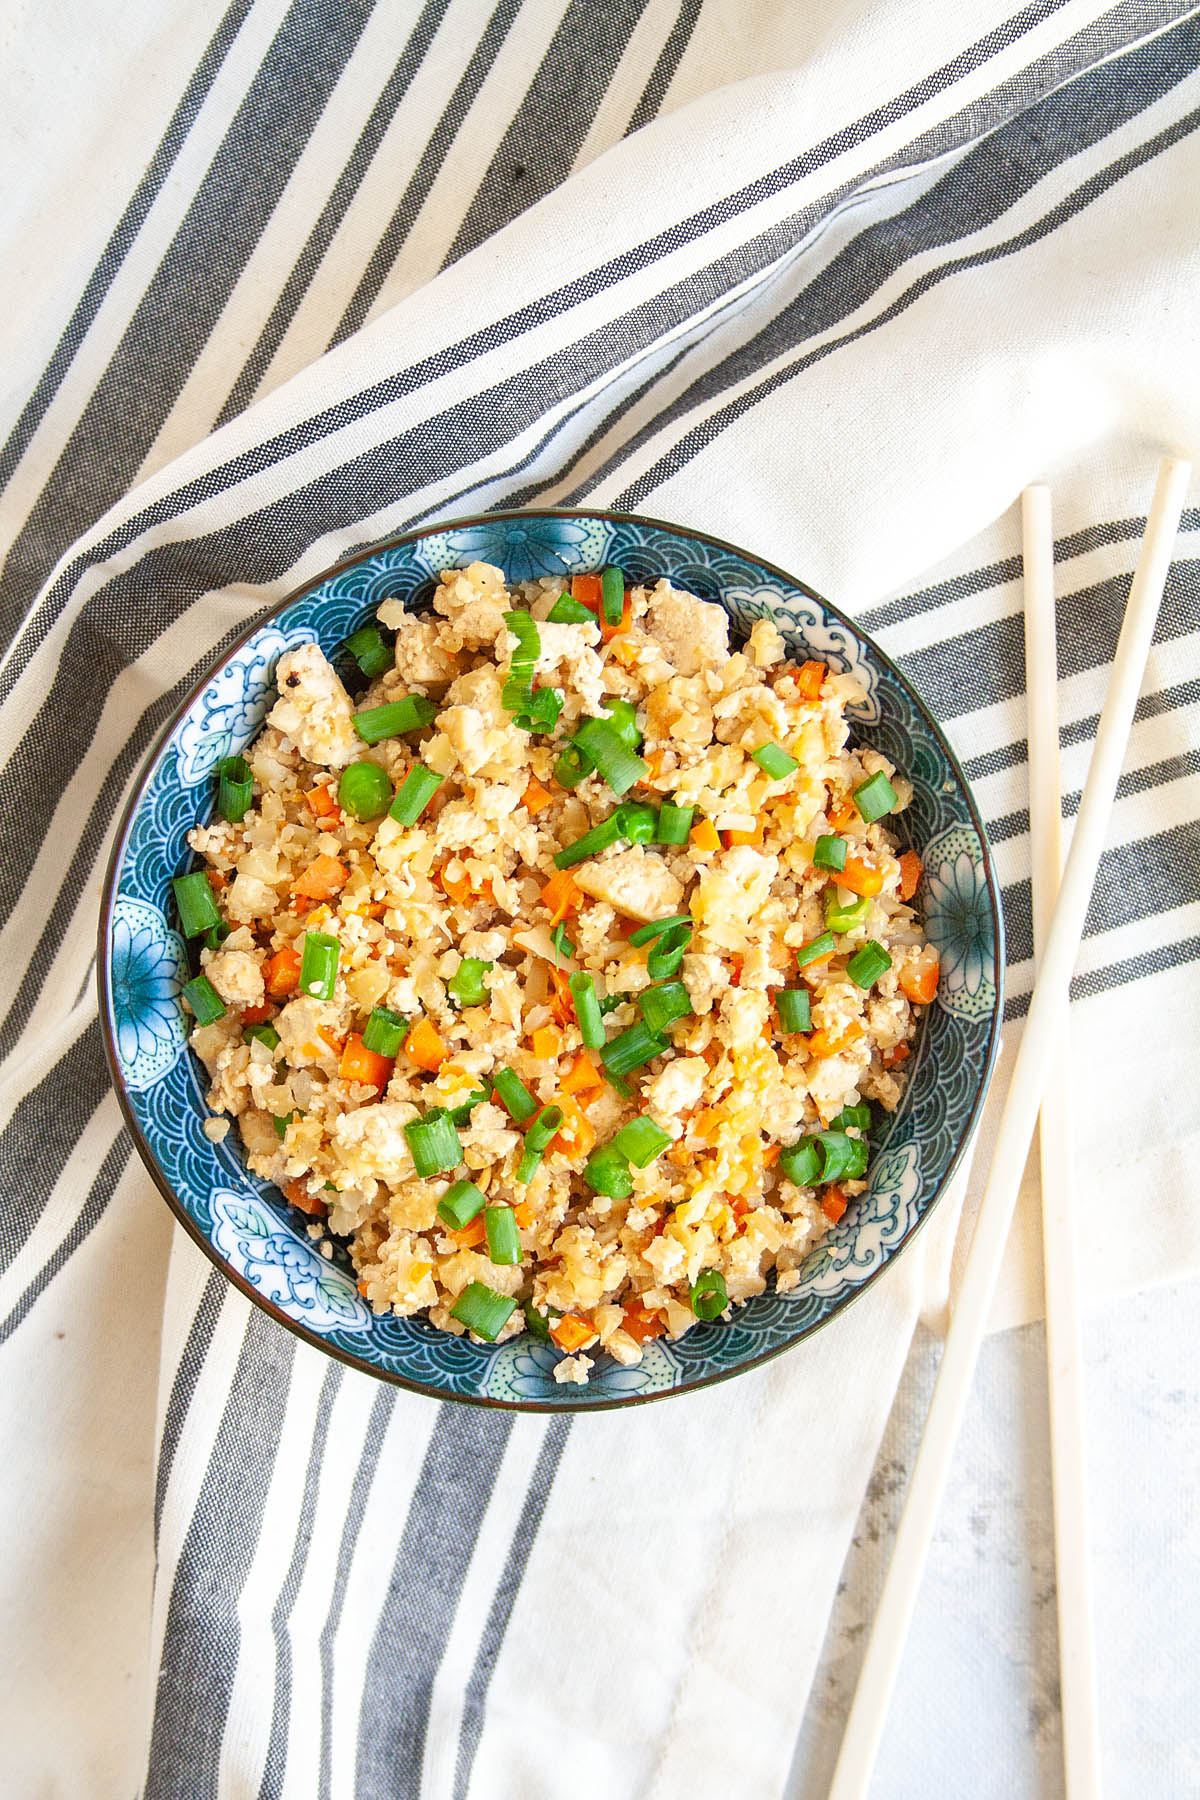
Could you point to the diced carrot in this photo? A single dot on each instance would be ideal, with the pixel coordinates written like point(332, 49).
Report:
point(824, 1043)
point(576, 1135)
point(707, 1124)
point(424, 1046)
point(336, 1044)
point(546, 1042)
point(730, 838)
point(257, 1015)
point(653, 760)
point(582, 1077)
point(859, 876)
point(833, 1204)
point(362, 1288)
point(588, 590)
point(919, 982)
point(536, 796)
point(560, 895)
point(525, 1214)
point(471, 1234)
point(642, 1322)
point(218, 881)
point(572, 1332)
point(809, 679)
point(911, 871)
point(324, 877)
point(455, 887)
point(363, 1065)
point(626, 653)
point(297, 1194)
point(899, 1053)
point(322, 804)
point(283, 972)
point(608, 631)
point(736, 965)
point(843, 813)
point(770, 1155)
point(704, 835)
point(816, 961)
point(679, 1155)
point(562, 1005)
point(417, 1272)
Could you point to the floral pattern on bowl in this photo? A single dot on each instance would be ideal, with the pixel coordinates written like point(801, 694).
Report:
point(245, 1226)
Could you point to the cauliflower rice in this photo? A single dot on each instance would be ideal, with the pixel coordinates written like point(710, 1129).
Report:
point(728, 1091)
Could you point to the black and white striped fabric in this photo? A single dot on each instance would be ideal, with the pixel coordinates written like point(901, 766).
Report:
point(284, 278)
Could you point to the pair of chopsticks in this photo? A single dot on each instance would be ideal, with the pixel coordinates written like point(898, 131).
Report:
point(1041, 1041)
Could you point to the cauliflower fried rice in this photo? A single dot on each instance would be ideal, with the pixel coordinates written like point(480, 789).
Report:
point(594, 1089)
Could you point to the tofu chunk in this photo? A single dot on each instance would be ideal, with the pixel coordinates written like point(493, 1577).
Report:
point(314, 709)
point(635, 883)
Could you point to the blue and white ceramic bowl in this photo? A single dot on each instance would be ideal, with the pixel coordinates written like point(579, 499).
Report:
point(243, 1223)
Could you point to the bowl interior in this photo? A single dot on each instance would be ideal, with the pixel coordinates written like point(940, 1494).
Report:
point(243, 1222)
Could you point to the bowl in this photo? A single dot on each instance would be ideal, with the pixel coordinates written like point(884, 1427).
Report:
point(244, 1224)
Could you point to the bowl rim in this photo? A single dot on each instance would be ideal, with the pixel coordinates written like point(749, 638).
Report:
point(568, 1403)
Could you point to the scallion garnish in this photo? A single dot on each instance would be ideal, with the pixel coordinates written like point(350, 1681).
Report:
point(265, 1034)
point(518, 685)
point(561, 942)
point(615, 762)
point(538, 1323)
point(815, 950)
point(434, 1142)
point(645, 934)
point(467, 985)
point(461, 1114)
point(868, 964)
point(591, 843)
point(612, 595)
point(569, 611)
point(795, 1009)
point(194, 898)
point(461, 1202)
point(414, 794)
point(384, 1032)
point(541, 714)
point(830, 853)
point(631, 1048)
point(281, 1121)
point(842, 1157)
point(638, 821)
point(674, 823)
point(503, 1238)
point(217, 935)
point(514, 1095)
point(538, 1136)
point(235, 788)
point(845, 915)
point(661, 1006)
point(482, 1310)
point(607, 1172)
point(875, 797)
point(774, 761)
point(709, 1294)
point(204, 1000)
point(858, 1115)
point(801, 1162)
point(667, 952)
point(641, 1140)
point(369, 650)
point(412, 713)
point(587, 1010)
point(622, 716)
point(319, 965)
point(364, 791)
point(572, 765)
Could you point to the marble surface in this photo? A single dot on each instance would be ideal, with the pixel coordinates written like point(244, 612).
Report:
point(976, 1710)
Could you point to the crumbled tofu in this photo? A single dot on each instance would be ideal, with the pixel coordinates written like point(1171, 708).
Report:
point(314, 709)
point(237, 977)
point(373, 1143)
point(637, 884)
point(675, 1090)
point(694, 634)
point(573, 1369)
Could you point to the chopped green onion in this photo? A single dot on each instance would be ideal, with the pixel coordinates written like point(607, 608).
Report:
point(364, 791)
point(639, 822)
point(774, 761)
point(622, 716)
point(614, 760)
point(384, 1032)
point(612, 595)
point(845, 915)
point(842, 1157)
point(572, 765)
point(414, 794)
point(434, 1142)
point(667, 952)
point(482, 1310)
point(461, 1114)
point(611, 1002)
point(641, 1141)
point(412, 713)
point(875, 797)
point(661, 1006)
point(518, 685)
point(868, 964)
point(607, 1171)
point(569, 611)
point(467, 985)
point(830, 853)
point(235, 788)
point(561, 942)
point(265, 1034)
point(503, 1238)
point(858, 1115)
point(645, 934)
point(815, 949)
point(319, 965)
point(591, 843)
point(194, 898)
point(587, 1010)
point(795, 1009)
point(709, 1295)
point(537, 1324)
point(545, 704)
point(216, 937)
point(515, 1095)
point(204, 1000)
point(461, 1202)
point(801, 1162)
point(369, 650)
point(674, 823)
point(631, 1048)
point(281, 1121)
point(538, 1136)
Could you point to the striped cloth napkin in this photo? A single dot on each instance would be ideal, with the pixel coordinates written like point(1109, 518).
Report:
point(833, 282)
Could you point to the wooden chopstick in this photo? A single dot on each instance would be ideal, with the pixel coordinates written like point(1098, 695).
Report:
point(1064, 1335)
point(868, 1713)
